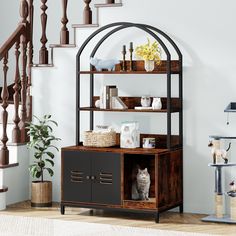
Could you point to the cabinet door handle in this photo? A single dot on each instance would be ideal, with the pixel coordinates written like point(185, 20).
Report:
point(93, 177)
point(87, 177)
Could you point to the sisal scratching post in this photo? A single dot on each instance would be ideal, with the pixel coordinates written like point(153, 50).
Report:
point(219, 206)
point(216, 146)
point(233, 208)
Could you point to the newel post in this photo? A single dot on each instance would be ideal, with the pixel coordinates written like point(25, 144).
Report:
point(87, 13)
point(4, 152)
point(23, 41)
point(43, 53)
point(64, 39)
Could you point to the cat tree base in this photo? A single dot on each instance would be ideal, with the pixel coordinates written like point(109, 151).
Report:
point(225, 219)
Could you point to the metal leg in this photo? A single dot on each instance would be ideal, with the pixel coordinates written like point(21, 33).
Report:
point(181, 208)
point(157, 217)
point(91, 212)
point(62, 209)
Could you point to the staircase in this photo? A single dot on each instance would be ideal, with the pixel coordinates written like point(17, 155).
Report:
point(17, 106)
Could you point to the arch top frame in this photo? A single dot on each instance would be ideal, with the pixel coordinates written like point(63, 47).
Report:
point(124, 25)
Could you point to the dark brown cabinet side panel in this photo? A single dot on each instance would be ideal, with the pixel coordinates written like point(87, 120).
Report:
point(106, 168)
point(76, 166)
point(170, 179)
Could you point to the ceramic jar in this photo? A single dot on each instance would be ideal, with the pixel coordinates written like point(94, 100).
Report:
point(156, 103)
point(145, 101)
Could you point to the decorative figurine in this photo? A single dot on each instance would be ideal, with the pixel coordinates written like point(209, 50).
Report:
point(232, 195)
point(99, 64)
point(156, 104)
point(131, 49)
point(218, 153)
point(123, 68)
point(145, 101)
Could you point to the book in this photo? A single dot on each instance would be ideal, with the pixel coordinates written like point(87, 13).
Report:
point(106, 97)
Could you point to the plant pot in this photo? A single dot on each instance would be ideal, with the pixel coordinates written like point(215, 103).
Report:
point(149, 65)
point(41, 194)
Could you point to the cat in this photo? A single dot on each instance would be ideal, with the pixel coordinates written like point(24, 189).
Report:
point(141, 186)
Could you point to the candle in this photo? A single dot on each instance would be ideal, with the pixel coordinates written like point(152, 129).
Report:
point(124, 48)
point(131, 45)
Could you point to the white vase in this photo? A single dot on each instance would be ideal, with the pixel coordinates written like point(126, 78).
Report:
point(156, 104)
point(149, 65)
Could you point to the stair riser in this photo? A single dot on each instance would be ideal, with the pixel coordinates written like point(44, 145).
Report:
point(2, 201)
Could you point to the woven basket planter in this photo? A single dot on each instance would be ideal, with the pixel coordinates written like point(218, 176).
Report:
point(107, 139)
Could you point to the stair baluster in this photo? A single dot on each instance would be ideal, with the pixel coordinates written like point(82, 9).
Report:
point(64, 39)
point(23, 41)
point(87, 13)
point(4, 152)
point(16, 134)
point(43, 53)
point(30, 59)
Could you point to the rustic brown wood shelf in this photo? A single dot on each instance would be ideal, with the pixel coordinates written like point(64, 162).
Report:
point(119, 150)
point(139, 69)
point(125, 110)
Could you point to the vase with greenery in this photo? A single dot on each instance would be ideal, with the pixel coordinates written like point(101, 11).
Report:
point(42, 142)
point(150, 53)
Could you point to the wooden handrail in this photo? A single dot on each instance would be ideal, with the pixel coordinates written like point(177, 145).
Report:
point(15, 37)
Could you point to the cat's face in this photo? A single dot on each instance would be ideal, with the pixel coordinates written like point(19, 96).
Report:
point(142, 174)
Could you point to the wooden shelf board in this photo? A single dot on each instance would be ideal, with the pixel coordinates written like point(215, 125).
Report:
point(127, 110)
point(138, 68)
point(140, 204)
point(118, 150)
point(125, 72)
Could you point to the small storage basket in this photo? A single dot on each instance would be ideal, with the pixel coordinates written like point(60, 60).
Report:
point(92, 139)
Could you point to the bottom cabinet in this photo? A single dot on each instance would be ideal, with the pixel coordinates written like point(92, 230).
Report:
point(91, 177)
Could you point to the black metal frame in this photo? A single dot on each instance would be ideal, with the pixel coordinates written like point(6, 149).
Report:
point(152, 31)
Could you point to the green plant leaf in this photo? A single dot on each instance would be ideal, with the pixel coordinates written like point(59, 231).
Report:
point(50, 161)
point(50, 171)
point(50, 154)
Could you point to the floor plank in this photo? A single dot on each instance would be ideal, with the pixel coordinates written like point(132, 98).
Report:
point(170, 220)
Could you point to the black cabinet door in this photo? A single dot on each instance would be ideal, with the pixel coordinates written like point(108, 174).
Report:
point(105, 168)
point(76, 185)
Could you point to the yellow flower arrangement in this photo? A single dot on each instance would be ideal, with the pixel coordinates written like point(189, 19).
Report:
point(149, 51)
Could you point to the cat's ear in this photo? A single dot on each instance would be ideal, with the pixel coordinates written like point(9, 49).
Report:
point(145, 170)
point(139, 171)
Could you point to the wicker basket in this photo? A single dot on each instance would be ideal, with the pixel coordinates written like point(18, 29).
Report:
point(107, 139)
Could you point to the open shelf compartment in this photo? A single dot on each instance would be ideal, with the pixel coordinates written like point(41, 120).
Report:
point(131, 164)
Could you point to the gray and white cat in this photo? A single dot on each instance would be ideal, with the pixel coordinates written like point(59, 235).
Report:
point(141, 186)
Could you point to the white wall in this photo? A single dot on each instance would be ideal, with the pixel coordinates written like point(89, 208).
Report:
point(204, 32)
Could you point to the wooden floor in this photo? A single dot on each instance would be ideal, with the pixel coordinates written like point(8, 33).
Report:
point(169, 220)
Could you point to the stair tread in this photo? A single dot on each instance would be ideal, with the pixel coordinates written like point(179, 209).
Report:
point(108, 5)
point(85, 25)
point(42, 65)
point(3, 189)
point(9, 165)
point(62, 45)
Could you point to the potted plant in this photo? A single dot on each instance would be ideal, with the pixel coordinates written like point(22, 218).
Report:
point(41, 142)
point(150, 53)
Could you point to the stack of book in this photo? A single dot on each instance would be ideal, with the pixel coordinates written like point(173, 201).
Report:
point(109, 98)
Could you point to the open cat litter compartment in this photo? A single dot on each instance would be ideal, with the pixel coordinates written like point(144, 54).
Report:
point(131, 164)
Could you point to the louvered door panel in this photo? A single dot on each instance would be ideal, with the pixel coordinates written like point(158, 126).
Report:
point(76, 185)
point(106, 181)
